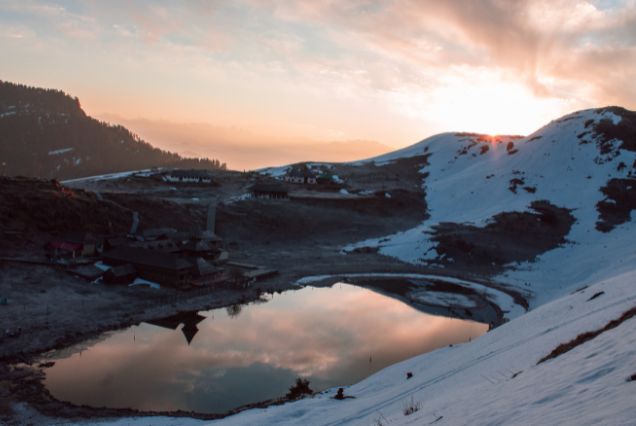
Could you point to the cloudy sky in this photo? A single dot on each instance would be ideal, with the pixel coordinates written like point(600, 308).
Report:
point(284, 73)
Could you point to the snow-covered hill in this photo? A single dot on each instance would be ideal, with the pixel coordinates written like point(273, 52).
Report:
point(572, 163)
point(584, 290)
point(585, 162)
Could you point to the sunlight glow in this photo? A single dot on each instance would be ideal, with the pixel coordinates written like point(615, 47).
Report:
point(284, 80)
point(483, 103)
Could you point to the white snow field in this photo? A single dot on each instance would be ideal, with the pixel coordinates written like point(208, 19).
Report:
point(110, 176)
point(576, 288)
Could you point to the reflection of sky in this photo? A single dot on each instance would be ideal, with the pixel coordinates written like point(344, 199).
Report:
point(332, 336)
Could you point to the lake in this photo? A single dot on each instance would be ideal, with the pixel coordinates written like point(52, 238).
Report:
point(217, 360)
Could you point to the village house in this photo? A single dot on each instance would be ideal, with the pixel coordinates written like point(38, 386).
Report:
point(164, 268)
point(208, 237)
point(188, 176)
point(271, 190)
point(164, 245)
point(154, 234)
point(167, 269)
point(72, 246)
point(63, 250)
point(301, 175)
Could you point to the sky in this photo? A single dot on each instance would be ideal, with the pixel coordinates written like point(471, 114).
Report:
point(273, 77)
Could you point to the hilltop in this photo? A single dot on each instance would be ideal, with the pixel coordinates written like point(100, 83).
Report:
point(45, 133)
point(500, 202)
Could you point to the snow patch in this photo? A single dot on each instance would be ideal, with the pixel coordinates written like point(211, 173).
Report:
point(60, 151)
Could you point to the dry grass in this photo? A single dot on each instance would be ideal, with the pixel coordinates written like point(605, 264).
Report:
point(411, 407)
point(587, 336)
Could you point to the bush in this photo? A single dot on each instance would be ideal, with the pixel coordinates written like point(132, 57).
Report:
point(300, 389)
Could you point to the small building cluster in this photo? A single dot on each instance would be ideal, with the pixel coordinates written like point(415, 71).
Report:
point(301, 181)
point(270, 190)
point(301, 174)
point(73, 245)
point(188, 176)
point(161, 256)
point(168, 269)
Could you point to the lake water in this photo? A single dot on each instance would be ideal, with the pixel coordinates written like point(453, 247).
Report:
point(332, 336)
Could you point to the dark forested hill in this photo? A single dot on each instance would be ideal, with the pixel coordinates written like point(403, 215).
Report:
point(45, 133)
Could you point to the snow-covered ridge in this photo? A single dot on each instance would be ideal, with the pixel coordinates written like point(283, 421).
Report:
point(470, 179)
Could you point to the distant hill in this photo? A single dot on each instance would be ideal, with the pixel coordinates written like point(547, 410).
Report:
point(45, 133)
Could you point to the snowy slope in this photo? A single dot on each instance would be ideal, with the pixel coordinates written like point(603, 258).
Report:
point(473, 383)
point(494, 379)
point(561, 163)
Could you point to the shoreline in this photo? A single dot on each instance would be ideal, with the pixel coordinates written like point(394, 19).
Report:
point(25, 370)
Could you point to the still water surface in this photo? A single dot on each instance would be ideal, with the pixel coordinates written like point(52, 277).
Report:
point(332, 336)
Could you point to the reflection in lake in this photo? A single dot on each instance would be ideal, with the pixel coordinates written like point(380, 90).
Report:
point(231, 357)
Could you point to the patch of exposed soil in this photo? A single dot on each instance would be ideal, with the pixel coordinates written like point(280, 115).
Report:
point(41, 205)
point(616, 208)
point(624, 131)
point(33, 210)
point(281, 222)
point(509, 237)
point(402, 173)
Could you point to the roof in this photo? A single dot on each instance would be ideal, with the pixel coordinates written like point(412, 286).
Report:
point(204, 268)
point(163, 245)
point(122, 270)
point(158, 232)
point(198, 246)
point(145, 257)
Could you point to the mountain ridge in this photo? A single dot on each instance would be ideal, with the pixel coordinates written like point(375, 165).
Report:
point(45, 133)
